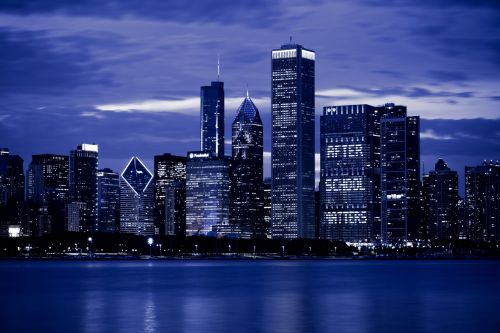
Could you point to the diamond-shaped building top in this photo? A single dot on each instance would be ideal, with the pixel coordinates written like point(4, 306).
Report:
point(137, 175)
point(248, 112)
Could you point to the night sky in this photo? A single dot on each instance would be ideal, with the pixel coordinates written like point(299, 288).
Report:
point(126, 74)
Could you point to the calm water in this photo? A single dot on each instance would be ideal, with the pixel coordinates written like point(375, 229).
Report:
point(250, 296)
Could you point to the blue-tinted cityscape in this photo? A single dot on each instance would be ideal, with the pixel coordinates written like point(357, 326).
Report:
point(252, 166)
point(372, 192)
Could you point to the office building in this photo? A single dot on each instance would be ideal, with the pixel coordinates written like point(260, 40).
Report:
point(108, 200)
point(441, 196)
point(292, 107)
point(47, 189)
point(400, 174)
point(169, 176)
point(350, 173)
point(136, 199)
point(75, 214)
point(207, 194)
point(482, 196)
point(83, 164)
point(212, 118)
point(11, 191)
point(246, 213)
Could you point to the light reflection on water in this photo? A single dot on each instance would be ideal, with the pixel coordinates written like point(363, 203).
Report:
point(249, 296)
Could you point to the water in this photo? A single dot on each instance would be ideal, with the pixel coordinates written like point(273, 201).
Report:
point(249, 296)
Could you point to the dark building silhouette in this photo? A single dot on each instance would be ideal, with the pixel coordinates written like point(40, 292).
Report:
point(11, 191)
point(175, 209)
point(441, 200)
point(246, 213)
point(482, 196)
point(108, 200)
point(207, 194)
point(136, 199)
point(266, 195)
point(47, 191)
point(212, 118)
point(83, 163)
point(292, 106)
point(400, 174)
point(350, 173)
point(169, 176)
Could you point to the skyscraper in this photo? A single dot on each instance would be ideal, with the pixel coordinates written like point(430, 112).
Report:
point(482, 196)
point(400, 174)
point(292, 106)
point(136, 199)
point(11, 190)
point(207, 194)
point(108, 200)
point(83, 183)
point(47, 188)
point(442, 199)
point(246, 214)
point(349, 177)
point(169, 176)
point(212, 118)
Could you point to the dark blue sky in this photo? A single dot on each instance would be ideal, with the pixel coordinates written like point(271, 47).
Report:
point(126, 74)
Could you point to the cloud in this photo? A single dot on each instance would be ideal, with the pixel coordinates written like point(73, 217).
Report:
point(430, 134)
point(31, 63)
point(224, 11)
point(186, 106)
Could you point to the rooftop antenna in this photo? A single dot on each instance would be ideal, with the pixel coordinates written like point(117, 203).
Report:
point(218, 68)
point(247, 91)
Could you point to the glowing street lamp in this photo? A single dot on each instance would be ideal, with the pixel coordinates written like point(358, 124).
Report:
point(150, 242)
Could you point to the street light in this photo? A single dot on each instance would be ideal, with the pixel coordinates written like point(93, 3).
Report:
point(90, 245)
point(196, 248)
point(150, 242)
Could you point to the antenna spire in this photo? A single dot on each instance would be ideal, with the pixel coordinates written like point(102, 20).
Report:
point(218, 68)
point(247, 91)
point(290, 39)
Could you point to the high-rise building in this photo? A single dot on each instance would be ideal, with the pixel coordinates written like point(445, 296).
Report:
point(350, 173)
point(175, 209)
point(11, 177)
point(169, 176)
point(47, 189)
point(267, 206)
point(441, 194)
point(75, 213)
point(207, 194)
point(136, 199)
point(11, 190)
point(212, 118)
point(292, 106)
point(83, 164)
point(482, 196)
point(400, 174)
point(108, 200)
point(246, 213)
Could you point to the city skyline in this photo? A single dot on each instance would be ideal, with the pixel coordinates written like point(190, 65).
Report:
point(66, 83)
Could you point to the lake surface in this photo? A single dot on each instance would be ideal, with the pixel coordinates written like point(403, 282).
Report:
point(250, 296)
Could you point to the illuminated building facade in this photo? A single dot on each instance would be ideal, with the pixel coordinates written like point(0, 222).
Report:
point(292, 106)
point(207, 194)
point(83, 164)
point(108, 200)
point(349, 176)
point(170, 187)
point(212, 118)
point(47, 188)
point(11, 191)
point(400, 174)
point(482, 196)
point(136, 199)
point(441, 195)
point(246, 213)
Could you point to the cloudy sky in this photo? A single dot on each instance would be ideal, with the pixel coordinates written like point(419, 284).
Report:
point(126, 74)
